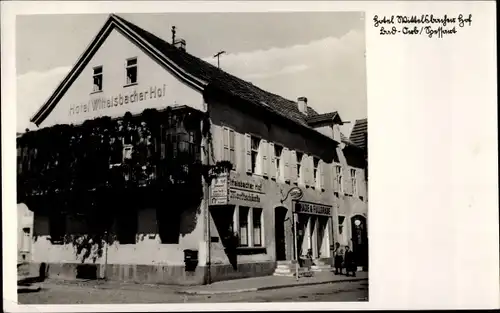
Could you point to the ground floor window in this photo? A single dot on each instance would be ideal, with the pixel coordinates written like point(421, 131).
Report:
point(248, 223)
point(57, 227)
point(127, 227)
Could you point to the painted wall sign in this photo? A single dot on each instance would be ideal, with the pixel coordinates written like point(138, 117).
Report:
point(120, 99)
point(313, 208)
point(244, 196)
point(219, 191)
point(245, 186)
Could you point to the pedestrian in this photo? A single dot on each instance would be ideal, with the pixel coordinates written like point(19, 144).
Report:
point(338, 258)
point(349, 263)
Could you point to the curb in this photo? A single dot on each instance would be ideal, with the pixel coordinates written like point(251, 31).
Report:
point(203, 292)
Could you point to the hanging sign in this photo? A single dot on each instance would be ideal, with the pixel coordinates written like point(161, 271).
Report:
point(219, 191)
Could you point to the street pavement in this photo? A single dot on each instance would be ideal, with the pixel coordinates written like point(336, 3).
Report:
point(52, 293)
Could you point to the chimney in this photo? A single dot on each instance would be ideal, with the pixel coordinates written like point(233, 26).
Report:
point(180, 44)
point(302, 105)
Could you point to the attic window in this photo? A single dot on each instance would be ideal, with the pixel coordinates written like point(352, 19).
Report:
point(131, 69)
point(97, 79)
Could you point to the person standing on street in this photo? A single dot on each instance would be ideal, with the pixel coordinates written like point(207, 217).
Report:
point(338, 258)
point(349, 263)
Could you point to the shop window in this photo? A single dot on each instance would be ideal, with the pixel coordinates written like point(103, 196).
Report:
point(169, 225)
point(97, 79)
point(255, 143)
point(243, 220)
point(131, 70)
point(57, 227)
point(354, 182)
point(127, 227)
point(277, 156)
point(299, 162)
point(257, 227)
point(229, 146)
point(316, 172)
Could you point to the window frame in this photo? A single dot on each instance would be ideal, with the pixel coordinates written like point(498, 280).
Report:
point(316, 173)
point(300, 181)
point(257, 151)
point(279, 175)
point(95, 75)
point(354, 183)
point(339, 178)
point(249, 222)
point(127, 67)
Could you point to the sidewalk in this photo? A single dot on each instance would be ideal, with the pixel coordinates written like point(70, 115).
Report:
point(269, 282)
point(222, 287)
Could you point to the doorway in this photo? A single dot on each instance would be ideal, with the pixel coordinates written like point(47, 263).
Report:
point(279, 232)
point(360, 240)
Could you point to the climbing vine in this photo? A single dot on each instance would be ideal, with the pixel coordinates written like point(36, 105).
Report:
point(93, 167)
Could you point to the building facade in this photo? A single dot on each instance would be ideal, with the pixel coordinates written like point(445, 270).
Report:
point(244, 221)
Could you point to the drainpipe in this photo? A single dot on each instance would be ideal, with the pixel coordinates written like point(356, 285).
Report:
point(105, 254)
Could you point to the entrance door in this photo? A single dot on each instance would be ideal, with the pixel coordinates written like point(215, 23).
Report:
point(279, 235)
point(360, 240)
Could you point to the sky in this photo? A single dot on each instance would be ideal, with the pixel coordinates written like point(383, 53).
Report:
point(319, 55)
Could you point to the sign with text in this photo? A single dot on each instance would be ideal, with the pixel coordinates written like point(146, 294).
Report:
point(100, 102)
point(244, 196)
point(312, 208)
point(219, 191)
point(245, 185)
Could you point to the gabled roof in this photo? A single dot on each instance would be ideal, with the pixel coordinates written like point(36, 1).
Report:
point(358, 133)
point(196, 72)
point(325, 117)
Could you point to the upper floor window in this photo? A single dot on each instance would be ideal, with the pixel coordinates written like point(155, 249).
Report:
point(338, 179)
point(229, 143)
point(255, 142)
point(316, 172)
point(299, 162)
point(277, 156)
point(131, 70)
point(97, 77)
point(353, 182)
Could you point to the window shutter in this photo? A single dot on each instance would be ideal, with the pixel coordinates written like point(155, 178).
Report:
point(248, 153)
point(225, 144)
point(347, 180)
point(360, 175)
point(321, 169)
point(263, 152)
point(293, 166)
point(272, 157)
point(285, 159)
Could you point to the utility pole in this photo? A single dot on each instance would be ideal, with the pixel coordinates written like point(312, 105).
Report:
point(217, 55)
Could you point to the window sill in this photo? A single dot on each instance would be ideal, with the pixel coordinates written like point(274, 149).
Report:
point(129, 85)
point(97, 91)
point(251, 250)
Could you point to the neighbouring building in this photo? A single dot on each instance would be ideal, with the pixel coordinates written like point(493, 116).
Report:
point(24, 233)
point(294, 184)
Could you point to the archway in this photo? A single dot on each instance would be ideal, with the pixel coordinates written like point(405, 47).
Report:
point(360, 240)
point(279, 232)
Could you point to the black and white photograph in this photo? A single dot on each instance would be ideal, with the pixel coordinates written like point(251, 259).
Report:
point(192, 157)
point(213, 155)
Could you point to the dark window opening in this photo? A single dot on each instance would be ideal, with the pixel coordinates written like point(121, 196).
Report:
point(57, 225)
point(168, 225)
point(131, 71)
point(97, 79)
point(127, 227)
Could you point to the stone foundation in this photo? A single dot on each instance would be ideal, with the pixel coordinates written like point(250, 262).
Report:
point(151, 274)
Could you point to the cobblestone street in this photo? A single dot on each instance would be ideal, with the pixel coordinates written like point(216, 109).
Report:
point(67, 294)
